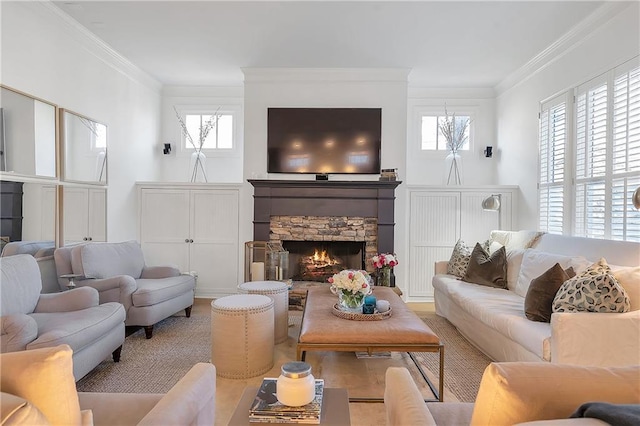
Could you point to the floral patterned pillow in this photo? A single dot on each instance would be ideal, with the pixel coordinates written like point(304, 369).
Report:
point(459, 261)
point(594, 290)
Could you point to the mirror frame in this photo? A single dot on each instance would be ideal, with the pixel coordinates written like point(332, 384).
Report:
point(64, 145)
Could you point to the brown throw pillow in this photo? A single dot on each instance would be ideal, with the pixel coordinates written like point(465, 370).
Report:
point(542, 290)
point(487, 269)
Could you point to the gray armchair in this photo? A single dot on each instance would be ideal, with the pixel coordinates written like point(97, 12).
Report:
point(31, 320)
point(117, 270)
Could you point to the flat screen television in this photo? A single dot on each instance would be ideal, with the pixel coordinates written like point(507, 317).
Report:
point(324, 140)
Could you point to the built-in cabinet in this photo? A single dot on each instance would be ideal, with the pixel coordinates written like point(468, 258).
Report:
point(439, 216)
point(194, 227)
point(84, 214)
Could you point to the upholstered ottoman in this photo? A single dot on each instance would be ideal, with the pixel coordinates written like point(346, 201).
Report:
point(279, 292)
point(242, 335)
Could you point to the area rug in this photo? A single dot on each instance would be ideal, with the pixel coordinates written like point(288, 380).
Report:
point(155, 365)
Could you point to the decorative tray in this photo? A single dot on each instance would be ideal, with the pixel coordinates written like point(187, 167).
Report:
point(377, 316)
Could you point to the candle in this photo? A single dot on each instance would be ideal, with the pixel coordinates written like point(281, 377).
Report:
point(383, 305)
point(257, 271)
point(370, 300)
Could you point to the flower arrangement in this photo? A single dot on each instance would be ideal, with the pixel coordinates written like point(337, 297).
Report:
point(204, 130)
point(384, 260)
point(454, 131)
point(351, 286)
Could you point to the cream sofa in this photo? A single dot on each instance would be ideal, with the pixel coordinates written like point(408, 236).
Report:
point(515, 393)
point(38, 388)
point(494, 320)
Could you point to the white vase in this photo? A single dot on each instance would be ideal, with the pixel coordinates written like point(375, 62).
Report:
point(198, 167)
point(453, 169)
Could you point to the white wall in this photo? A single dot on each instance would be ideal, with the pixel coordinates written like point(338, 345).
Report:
point(221, 168)
point(47, 55)
point(386, 89)
point(428, 167)
point(611, 44)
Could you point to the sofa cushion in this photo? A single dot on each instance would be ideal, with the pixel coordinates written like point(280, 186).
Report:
point(154, 291)
point(514, 261)
point(44, 377)
point(536, 262)
point(21, 284)
point(537, 303)
point(106, 260)
point(487, 269)
point(593, 290)
point(19, 411)
point(518, 240)
point(77, 329)
point(629, 279)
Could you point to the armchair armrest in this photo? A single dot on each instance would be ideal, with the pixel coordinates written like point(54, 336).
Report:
point(154, 272)
point(440, 267)
point(190, 401)
point(597, 339)
point(403, 401)
point(68, 301)
point(115, 289)
point(17, 330)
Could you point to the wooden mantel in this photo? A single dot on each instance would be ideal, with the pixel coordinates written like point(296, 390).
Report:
point(325, 198)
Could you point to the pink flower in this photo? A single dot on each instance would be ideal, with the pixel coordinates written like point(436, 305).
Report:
point(330, 280)
point(350, 275)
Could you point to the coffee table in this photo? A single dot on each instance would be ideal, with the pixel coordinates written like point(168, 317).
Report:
point(403, 331)
point(335, 408)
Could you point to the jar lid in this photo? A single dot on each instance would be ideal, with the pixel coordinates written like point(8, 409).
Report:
point(296, 369)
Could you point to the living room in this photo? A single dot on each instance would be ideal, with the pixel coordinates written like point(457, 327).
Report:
point(48, 54)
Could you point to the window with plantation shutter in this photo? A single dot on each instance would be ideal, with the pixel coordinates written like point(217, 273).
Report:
point(553, 141)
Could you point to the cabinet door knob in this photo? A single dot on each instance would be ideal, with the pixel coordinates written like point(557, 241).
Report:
point(190, 241)
point(85, 239)
point(90, 238)
point(186, 240)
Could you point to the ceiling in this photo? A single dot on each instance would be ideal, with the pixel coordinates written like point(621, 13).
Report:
point(445, 44)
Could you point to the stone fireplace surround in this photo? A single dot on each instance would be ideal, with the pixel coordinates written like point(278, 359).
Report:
point(306, 210)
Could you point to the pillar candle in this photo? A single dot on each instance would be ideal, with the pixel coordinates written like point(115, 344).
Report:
point(257, 271)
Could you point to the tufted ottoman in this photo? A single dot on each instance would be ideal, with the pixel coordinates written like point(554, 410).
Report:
point(242, 335)
point(279, 292)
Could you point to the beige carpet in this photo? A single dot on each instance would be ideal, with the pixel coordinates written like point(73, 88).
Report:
point(156, 365)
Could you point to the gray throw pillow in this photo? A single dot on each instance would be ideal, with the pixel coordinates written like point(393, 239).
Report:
point(542, 290)
point(487, 269)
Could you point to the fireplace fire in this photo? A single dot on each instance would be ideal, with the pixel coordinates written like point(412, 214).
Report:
point(317, 261)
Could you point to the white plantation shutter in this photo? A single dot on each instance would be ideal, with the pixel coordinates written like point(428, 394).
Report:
point(553, 141)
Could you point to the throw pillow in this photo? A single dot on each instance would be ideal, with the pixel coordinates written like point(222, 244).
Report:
point(459, 260)
point(594, 290)
point(487, 269)
point(629, 279)
point(537, 303)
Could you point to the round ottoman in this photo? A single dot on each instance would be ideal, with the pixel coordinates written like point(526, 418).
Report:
point(242, 335)
point(279, 292)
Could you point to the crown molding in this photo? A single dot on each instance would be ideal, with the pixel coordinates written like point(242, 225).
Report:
point(561, 46)
point(97, 47)
point(421, 92)
point(361, 75)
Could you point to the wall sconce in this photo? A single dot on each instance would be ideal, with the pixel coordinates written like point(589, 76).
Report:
point(635, 198)
point(167, 149)
point(493, 203)
point(488, 151)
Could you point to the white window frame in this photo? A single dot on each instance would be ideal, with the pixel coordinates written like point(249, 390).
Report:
point(431, 111)
point(224, 109)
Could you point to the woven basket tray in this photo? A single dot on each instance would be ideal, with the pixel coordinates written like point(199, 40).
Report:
point(377, 316)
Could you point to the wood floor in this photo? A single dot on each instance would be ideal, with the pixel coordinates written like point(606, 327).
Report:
point(333, 366)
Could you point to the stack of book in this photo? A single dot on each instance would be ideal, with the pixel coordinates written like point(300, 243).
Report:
point(266, 408)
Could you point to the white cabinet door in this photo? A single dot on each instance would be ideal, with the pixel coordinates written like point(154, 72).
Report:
point(434, 228)
point(164, 227)
point(214, 250)
point(97, 211)
point(76, 215)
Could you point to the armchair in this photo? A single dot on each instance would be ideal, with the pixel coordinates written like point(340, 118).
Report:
point(38, 388)
point(31, 320)
point(149, 294)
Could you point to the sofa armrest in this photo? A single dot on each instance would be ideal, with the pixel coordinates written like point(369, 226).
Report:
point(597, 339)
point(155, 272)
point(68, 301)
point(403, 401)
point(17, 331)
point(440, 267)
point(190, 401)
point(115, 289)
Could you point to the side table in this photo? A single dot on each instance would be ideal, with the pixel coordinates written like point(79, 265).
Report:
point(335, 408)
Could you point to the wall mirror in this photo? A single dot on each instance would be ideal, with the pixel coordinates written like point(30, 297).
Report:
point(84, 142)
point(27, 135)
